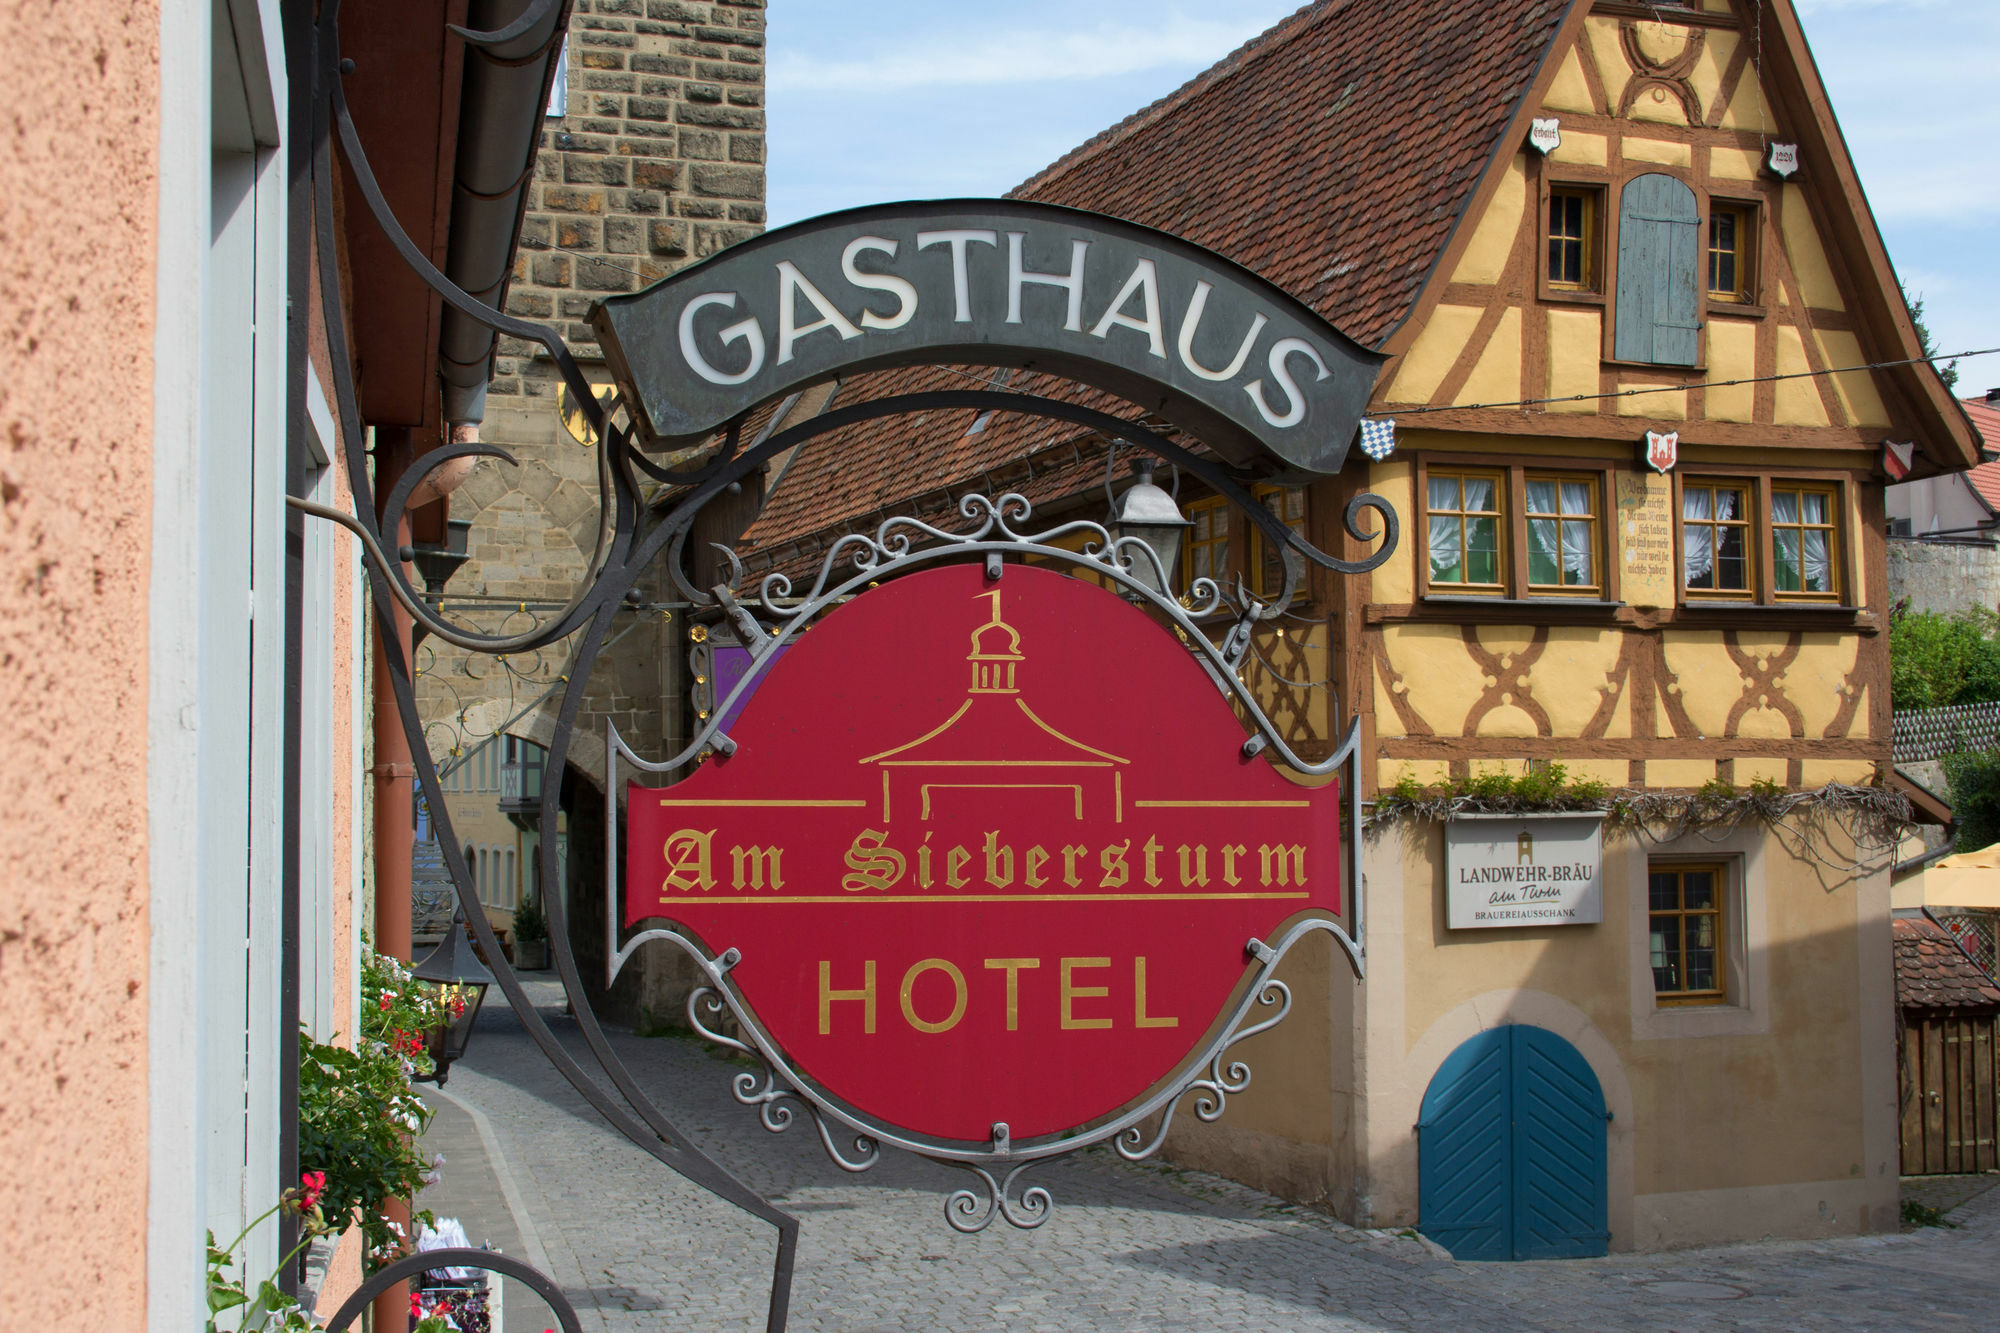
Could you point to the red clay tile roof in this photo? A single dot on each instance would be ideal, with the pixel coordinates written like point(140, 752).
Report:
point(1985, 419)
point(1932, 972)
point(1985, 478)
point(1333, 155)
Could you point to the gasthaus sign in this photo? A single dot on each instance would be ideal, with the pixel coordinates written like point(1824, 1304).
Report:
point(1524, 870)
point(1169, 325)
point(991, 852)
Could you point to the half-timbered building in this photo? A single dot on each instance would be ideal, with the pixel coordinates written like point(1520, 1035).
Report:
point(1650, 371)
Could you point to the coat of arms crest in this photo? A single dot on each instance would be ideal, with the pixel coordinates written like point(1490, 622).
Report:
point(1662, 450)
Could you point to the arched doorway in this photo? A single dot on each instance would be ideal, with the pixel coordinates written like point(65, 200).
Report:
point(1511, 1147)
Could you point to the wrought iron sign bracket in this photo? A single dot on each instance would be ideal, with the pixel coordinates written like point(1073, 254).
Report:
point(781, 1089)
point(632, 534)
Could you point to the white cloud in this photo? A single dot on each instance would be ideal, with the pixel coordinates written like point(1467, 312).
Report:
point(982, 55)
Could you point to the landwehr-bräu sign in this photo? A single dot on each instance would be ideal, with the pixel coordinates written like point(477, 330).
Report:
point(1524, 870)
point(991, 851)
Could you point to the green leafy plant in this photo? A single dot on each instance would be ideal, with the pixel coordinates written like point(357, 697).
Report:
point(530, 926)
point(1545, 786)
point(272, 1309)
point(1973, 778)
point(1917, 1214)
point(359, 1119)
point(1949, 372)
point(1715, 792)
point(1936, 661)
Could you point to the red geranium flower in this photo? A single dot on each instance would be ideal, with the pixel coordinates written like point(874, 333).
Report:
point(315, 1185)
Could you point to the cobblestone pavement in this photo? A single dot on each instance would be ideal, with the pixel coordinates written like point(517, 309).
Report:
point(1947, 1192)
point(1128, 1248)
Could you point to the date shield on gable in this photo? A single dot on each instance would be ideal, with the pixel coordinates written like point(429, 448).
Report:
point(960, 889)
point(1662, 450)
point(1545, 134)
point(1257, 375)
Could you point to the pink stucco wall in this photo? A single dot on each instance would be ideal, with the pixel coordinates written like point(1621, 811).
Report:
point(77, 238)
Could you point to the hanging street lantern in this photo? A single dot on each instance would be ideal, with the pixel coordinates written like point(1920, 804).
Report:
point(1150, 514)
point(437, 563)
point(461, 980)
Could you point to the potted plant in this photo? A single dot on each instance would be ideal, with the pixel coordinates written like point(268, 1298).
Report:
point(531, 936)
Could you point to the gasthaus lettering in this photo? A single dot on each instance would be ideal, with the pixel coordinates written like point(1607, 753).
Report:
point(965, 891)
point(1165, 323)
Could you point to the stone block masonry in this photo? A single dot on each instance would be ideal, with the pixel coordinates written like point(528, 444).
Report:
point(658, 160)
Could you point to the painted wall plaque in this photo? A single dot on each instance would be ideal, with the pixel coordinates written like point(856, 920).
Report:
point(991, 852)
point(1178, 329)
point(1523, 870)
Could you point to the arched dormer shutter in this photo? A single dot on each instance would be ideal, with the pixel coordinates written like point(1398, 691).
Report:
point(1659, 262)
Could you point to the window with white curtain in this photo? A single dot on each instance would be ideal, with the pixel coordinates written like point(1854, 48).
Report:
point(1563, 545)
point(1740, 534)
point(1715, 538)
point(1803, 537)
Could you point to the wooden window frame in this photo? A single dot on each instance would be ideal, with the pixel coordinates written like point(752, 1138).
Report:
point(1834, 500)
point(1752, 540)
point(1595, 517)
point(1748, 295)
point(1222, 543)
point(1253, 553)
point(1721, 898)
point(1514, 585)
point(1763, 576)
point(1502, 512)
point(1596, 282)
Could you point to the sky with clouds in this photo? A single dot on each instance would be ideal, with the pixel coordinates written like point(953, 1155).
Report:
point(876, 100)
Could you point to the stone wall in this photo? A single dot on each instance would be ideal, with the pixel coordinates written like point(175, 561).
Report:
point(1943, 576)
point(657, 162)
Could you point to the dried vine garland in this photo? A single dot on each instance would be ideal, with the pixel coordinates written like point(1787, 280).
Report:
point(1810, 823)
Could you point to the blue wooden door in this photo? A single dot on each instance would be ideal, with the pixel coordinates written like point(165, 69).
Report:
point(1511, 1150)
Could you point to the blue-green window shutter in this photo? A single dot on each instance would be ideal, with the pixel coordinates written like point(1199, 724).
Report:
point(1659, 266)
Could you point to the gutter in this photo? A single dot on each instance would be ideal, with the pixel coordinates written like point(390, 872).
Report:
point(1916, 863)
point(501, 105)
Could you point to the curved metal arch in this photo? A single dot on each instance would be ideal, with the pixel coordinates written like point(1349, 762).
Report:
point(637, 1118)
point(1226, 481)
point(625, 547)
point(489, 1261)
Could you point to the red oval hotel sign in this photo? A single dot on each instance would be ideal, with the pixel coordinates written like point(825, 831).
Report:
point(990, 850)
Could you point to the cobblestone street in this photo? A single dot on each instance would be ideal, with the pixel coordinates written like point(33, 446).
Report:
point(1128, 1248)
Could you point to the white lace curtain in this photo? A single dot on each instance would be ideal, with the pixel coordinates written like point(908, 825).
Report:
point(1698, 539)
point(1806, 550)
point(1561, 542)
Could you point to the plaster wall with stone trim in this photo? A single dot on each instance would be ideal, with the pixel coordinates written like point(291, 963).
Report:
point(1772, 1114)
